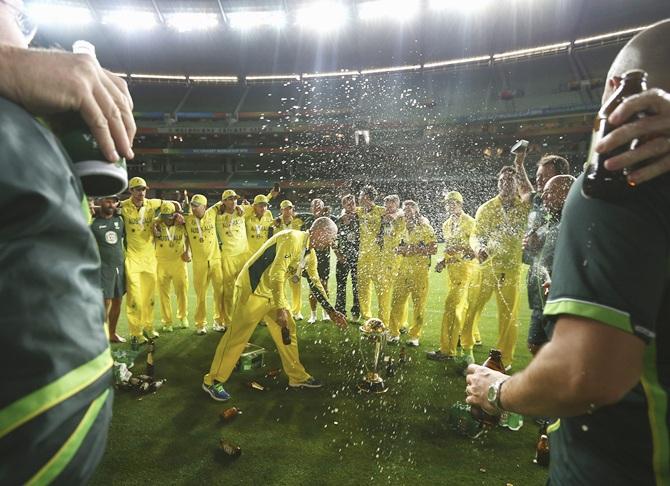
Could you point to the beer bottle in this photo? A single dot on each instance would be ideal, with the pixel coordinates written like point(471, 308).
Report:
point(542, 451)
point(285, 336)
point(598, 181)
point(229, 448)
point(494, 362)
point(186, 207)
point(229, 413)
point(151, 348)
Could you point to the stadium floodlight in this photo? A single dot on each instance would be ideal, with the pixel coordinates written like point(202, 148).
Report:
point(398, 10)
point(551, 48)
point(166, 77)
point(273, 77)
point(213, 79)
point(250, 19)
point(468, 6)
point(60, 14)
point(394, 69)
point(332, 74)
point(322, 16)
point(190, 21)
point(610, 35)
point(455, 62)
point(128, 19)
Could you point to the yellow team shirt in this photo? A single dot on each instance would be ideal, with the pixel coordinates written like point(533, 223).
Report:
point(283, 256)
point(501, 232)
point(201, 235)
point(457, 231)
point(232, 230)
point(370, 224)
point(421, 233)
point(140, 252)
point(295, 224)
point(171, 243)
point(258, 229)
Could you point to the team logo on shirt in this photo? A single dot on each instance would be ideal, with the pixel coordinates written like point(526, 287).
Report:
point(111, 237)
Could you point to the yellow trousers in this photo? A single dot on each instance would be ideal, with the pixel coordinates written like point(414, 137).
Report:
point(172, 274)
point(369, 273)
point(204, 273)
point(455, 306)
point(230, 269)
point(296, 297)
point(505, 283)
point(410, 283)
point(247, 313)
point(140, 287)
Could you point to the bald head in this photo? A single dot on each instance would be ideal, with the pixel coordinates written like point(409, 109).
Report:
point(649, 51)
point(322, 233)
point(556, 191)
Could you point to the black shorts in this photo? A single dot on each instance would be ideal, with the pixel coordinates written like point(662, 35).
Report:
point(113, 282)
point(323, 263)
point(536, 333)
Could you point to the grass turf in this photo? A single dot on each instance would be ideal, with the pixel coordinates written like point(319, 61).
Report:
point(333, 435)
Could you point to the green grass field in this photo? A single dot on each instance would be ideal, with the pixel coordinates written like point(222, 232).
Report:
point(333, 435)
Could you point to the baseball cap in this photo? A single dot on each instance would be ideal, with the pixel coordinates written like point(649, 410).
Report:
point(261, 199)
point(198, 200)
point(453, 196)
point(167, 209)
point(137, 182)
point(286, 204)
point(228, 193)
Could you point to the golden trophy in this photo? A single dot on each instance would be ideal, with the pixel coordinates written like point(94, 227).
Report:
point(372, 343)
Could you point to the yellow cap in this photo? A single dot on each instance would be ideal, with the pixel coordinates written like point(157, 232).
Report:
point(228, 193)
point(167, 209)
point(261, 199)
point(137, 182)
point(453, 196)
point(198, 200)
point(286, 204)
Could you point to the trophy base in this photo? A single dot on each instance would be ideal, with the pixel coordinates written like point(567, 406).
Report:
point(373, 386)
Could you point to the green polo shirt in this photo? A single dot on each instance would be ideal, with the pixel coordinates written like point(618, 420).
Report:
point(612, 265)
point(55, 366)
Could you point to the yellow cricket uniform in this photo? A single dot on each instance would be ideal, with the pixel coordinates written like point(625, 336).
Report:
point(412, 279)
point(258, 229)
point(457, 231)
point(389, 264)
point(501, 232)
point(172, 271)
point(368, 259)
point(259, 293)
point(206, 257)
point(140, 264)
point(296, 286)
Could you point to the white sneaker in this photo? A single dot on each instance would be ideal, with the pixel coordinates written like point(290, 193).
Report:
point(201, 330)
point(312, 318)
point(412, 343)
point(393, 340)
point(298, 317)
point(325, 316)
point(219, 327)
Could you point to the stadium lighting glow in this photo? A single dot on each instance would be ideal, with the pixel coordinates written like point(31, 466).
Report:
point(610, 35)
point(332, 74)
point(190, 21)
point(251, 19)
point(322, 16)
point(466, 6)
point(170, 77)
point(453, 62)
point(130, 19)
point(410, 67)
point(273, 77)
point(398, 10)
point(535, 50)
point(214, 79)
point(60, 14)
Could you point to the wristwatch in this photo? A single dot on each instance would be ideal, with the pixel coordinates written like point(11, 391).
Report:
point(493, 395)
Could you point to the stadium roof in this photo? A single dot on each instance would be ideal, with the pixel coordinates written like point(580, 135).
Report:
point(215, 37)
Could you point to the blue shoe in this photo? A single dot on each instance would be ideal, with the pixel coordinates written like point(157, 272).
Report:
point(310, 382)
point(217, 392)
